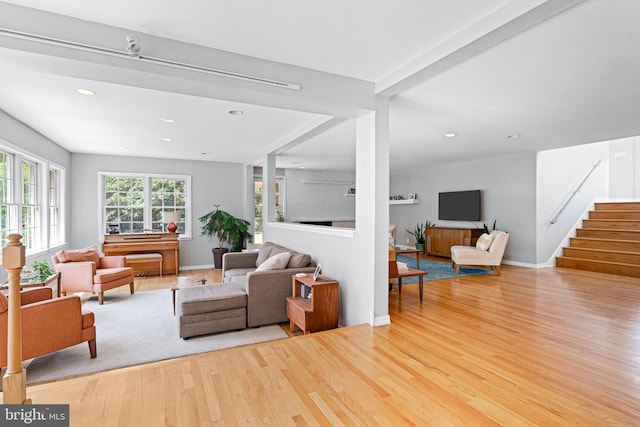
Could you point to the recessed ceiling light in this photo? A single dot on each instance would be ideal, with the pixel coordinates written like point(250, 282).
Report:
point(450, 135)
point(167, 120)
point(515, 135)
point(236, 112)
point(167, 139)
point(85, 92)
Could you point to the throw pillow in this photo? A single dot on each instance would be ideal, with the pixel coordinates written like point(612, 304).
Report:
point(264, 253)
point(87, 254)
point(484, 241)
point(299, 260)
point(276, 262)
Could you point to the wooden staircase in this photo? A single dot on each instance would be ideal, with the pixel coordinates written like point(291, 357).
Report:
point(609, 241)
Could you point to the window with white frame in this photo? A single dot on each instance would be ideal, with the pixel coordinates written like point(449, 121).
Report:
point(135, 203)
point(56, 229)
point(30, 208)
point(25, 201)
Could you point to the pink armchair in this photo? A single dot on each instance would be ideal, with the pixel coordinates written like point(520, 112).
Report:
point(85, 270)
point(48, 324)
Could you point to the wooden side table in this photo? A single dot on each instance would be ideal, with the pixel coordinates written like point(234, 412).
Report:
point(55, 277)
point(319, 312)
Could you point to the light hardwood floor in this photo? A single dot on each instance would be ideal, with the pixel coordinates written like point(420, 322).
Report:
point(548, 347)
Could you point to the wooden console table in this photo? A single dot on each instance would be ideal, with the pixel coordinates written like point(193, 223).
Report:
point(440, 239)
point(166, 244)
point(319, 312)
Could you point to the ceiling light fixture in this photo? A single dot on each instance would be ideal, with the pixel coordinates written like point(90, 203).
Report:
point(167, 139)
point(167, 120)
point(133, 50)
point(236, 112)
point(515, 135)
point(450, 135)
point(133, 45)
point(85, 92)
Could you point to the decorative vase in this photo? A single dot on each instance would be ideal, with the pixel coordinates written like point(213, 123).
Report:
point(420, 247)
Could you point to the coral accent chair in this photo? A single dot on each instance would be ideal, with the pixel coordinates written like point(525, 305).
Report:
point(85, 270)
point(490, 256)
point(48, 324)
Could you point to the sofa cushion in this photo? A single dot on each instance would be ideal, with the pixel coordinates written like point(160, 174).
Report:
point(277, 249)
point(237, 272)
point(275, 262)
point(299, 260)
point(264, 253)
point(87, 254)
point(211, 298)
point(484, 241)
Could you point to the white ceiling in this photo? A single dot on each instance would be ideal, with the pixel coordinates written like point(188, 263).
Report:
point(568, 80)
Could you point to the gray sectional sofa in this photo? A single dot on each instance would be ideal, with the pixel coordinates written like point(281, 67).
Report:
point(266, 290)
point(248, 297)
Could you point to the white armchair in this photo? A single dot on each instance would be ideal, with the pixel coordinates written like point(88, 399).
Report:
point(477, 255)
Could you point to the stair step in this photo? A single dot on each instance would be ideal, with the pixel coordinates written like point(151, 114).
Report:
point(606, 244)
point(603, 255)
point(614, 214)
point(633, 206)
point(599, 266)
point(612, 224)
point(633, 235)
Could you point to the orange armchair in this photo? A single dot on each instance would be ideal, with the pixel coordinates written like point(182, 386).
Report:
point(48, 324)
point(85, 270)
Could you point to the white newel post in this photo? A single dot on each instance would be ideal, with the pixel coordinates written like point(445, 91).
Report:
point(14, 382)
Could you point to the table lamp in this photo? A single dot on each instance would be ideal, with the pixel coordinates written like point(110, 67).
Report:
point(171, 218)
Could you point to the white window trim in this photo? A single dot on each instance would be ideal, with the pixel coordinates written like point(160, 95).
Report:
point(43, 196)
point(62, 204)
point(188, 222)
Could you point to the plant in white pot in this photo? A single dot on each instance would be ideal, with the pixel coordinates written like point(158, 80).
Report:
point(227, 229)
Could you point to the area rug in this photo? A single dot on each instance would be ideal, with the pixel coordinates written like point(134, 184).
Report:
point(134, 329)
point(438, 270)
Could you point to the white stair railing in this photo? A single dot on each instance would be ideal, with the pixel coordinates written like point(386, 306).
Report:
point(555, 218)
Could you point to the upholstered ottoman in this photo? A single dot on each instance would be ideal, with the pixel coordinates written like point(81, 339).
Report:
point(208, 309)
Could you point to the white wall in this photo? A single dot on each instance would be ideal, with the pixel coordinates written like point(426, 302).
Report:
point(312, 195)
point(508, 186)
point(559, 175)
point(212, 183)
point(624, 173)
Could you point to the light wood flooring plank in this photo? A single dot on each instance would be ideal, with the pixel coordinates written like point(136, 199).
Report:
point(547, 347)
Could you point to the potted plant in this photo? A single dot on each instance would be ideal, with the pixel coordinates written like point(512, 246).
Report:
point(485, 227)
point(418, 234)
point(227, 228)
point(41, 270)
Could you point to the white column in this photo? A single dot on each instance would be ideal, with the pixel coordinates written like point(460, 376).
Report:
point(372, 205)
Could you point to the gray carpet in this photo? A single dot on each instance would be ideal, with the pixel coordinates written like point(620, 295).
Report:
point(134, 329)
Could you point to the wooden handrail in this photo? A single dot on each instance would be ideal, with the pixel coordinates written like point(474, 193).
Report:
point(555, 218)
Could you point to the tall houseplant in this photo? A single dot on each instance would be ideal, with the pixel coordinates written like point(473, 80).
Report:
point(227, 229)
point(418, 234)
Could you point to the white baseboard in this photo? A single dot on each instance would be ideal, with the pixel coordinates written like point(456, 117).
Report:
point(380, 320)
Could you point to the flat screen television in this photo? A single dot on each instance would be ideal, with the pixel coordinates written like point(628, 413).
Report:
point(459, 205)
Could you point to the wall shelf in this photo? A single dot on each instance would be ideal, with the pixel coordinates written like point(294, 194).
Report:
point(404, 202)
